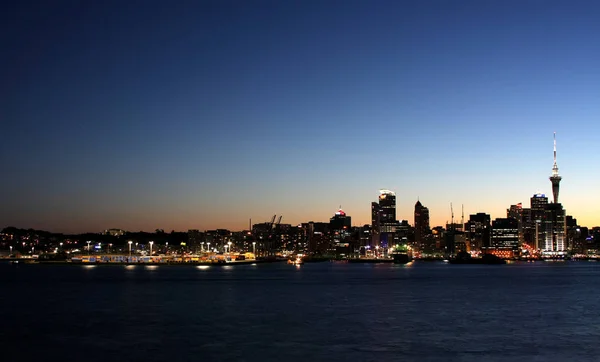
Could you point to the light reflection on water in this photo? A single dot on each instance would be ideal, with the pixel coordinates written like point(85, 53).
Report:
point(321, 311)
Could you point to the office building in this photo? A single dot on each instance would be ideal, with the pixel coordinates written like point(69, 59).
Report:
point(383, 219)
point(477, 231)
point(421, 223)
point(505, 237)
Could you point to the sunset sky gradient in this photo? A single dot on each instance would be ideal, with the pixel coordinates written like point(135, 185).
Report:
point(202, 114)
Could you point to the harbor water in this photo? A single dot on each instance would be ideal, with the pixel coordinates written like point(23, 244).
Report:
point(428, 311)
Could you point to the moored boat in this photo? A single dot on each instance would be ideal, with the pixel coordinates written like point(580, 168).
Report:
point(401, 254)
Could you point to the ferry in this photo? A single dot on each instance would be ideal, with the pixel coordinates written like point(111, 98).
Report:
point(401, 254)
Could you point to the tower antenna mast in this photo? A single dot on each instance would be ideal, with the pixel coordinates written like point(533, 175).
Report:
point(555, 178)
point(452, 212)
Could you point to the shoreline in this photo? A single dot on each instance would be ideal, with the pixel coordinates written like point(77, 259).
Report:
point(50, 262)
point(254, 262)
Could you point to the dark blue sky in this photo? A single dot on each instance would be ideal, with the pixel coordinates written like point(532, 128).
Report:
point(190, 114)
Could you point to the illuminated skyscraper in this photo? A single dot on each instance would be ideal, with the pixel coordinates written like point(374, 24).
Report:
point(387, 204)
point(539, 202)
point(383, 219)
point(554, 229)
point(505, 234)
point(516, 212)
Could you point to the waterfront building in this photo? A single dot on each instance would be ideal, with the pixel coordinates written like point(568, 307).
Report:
point(527, 231)
point(404, 232)
point(375, 224)
point(318, 236)
point(555, 230)
point(421, 224)
point(340, 227)
point(477, 231)
point(460, 241)
point(536, 225)
point(388, 223)
point(365, 238)
point(383, 219)
point(516, 212)
point(504, 237)
point(437, 241)
point(575, 237)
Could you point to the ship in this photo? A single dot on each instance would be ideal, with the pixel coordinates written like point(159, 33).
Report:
point(401, 254)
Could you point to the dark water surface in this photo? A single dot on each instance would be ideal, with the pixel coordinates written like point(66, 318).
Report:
point(316, 312)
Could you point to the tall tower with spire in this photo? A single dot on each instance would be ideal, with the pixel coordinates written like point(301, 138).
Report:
point(555, 178)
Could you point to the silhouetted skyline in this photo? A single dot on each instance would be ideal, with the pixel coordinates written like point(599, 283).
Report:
point(197, 115)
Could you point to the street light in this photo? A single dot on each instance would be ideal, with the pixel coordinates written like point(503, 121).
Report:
point(229, 248)
point(60, 245)
point(208, 247)
point(88, 242)
point(10, 250)
point(377, 251)
point(130, 242)
point(151, 242)
point(202, 246)
point(254, 249)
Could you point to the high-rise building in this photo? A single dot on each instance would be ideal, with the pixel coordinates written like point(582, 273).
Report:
point(383, 218)
point(538, 205)
point(516, 212)
point(555, 178)
point(375, 224)
point(555, 229)
point(527, 228)
point(421, 223)
point(505, 234)
point(340, 221)
point(387, 204)
point(318, 237)
point(477, 231)
point(340, 226)
point(539, 202)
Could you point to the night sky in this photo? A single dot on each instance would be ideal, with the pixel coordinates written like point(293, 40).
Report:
point(202, 114)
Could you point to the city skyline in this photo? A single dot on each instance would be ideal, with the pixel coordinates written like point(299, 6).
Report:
point(202, 116)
